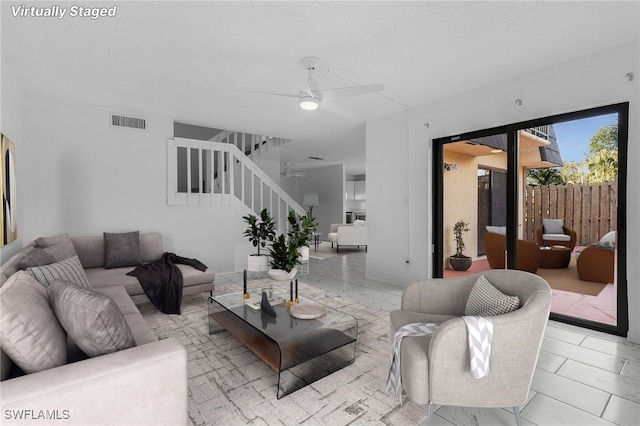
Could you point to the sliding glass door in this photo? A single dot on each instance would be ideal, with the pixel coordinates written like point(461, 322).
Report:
point(544, 196)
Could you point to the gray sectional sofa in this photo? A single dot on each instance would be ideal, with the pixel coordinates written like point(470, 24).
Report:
point(143, 381)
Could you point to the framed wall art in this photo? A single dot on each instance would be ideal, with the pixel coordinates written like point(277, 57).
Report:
point(8, 213)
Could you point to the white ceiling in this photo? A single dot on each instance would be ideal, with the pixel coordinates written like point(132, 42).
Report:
point(185, 58)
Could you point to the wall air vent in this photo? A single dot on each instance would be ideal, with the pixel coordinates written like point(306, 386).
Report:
point(130, 122)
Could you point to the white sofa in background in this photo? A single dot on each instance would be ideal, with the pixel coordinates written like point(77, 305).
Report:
point(344, 234)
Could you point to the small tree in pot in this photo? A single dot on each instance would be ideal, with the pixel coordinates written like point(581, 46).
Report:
point(301, 231)
point(284, 258)
point(259, 232)
point(459, 261)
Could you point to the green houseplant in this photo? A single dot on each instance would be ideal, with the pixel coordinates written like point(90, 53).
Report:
point(259, 232)
point(301, 231)
point(284, 258)
point(459, 261)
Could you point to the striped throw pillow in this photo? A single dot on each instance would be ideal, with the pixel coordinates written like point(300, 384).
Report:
point(69, 270)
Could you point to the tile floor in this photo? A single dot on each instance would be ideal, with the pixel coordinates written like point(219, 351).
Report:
point(583, 377)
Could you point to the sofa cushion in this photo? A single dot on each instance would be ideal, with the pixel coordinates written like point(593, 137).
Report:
point(63, 240)
point(30, 334)
point(121, 249)
point(556, 237)
point(486, 300)
point(45, 256)
point(92, 320)
point(69, 270)
point(553, 226)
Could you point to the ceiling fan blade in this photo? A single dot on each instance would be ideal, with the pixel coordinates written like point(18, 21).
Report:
point(344, 92)
point(335, 108)
point(268, 93)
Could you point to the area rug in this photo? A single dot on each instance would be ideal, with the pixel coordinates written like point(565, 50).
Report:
point(567, 279)
point(229, 385)
point(325, 251)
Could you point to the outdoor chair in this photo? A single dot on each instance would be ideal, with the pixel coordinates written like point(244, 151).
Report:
point(553, 232)
point(436, 370)
point(597, 262)
point(528, 256)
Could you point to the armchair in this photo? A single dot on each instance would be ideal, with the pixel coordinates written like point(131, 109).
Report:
point(553, 232)
point(348, 235)
point(436, 370)
point(597, 262)
point(528, 254)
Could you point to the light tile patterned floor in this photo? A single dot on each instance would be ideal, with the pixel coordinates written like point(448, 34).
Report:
point(583, 377)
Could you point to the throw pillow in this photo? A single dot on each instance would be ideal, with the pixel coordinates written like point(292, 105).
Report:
point(69, 270)
point(121, 249)
point(45, 256)
point(486, 300)
point(30, 334)
point(553, 226)
point(92, 320)
point(63, 240)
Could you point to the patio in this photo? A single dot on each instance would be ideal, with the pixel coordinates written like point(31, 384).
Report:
point(600, 308)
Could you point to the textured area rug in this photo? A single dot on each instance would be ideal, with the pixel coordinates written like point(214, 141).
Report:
point(567, 279)
point(229, 385)
point(325, 251)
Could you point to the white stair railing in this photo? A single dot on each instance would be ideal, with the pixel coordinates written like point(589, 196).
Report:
point(249, 144)
point(215, 173)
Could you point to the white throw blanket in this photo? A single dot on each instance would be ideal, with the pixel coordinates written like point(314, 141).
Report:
point(480, 336)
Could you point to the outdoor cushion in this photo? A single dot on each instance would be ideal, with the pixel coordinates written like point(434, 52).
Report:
point(502, 230)
point(556, 237)
point(553, 226)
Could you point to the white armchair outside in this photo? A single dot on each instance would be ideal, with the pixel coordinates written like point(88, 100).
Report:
point(344, 234)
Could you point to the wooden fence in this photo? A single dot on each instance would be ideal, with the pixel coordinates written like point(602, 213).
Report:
point(589, 209)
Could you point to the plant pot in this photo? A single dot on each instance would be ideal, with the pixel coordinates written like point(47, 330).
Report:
point(282, 275)
point(304, 252)
point(461, 263)
point(257, 263)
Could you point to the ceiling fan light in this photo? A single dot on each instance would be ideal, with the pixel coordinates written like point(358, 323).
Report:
point(309, 103)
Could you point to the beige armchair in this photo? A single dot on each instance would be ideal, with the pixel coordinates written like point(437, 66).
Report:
point(435, 370)
point(343, 234)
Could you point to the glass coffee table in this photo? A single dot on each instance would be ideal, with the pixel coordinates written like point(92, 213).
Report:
point(301, 351)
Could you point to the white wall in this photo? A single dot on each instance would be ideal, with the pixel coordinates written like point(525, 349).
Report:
point(77, 174)
point(594, 80)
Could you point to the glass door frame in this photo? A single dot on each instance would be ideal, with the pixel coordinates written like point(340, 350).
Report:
point(511, 130)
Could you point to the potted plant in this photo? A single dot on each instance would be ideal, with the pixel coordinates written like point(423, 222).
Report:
point(301, 233)
point(259, 232)
point(459, 261)
point(284, 258)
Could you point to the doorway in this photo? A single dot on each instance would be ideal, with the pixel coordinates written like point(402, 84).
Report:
point(517, 189)
point(492, 194)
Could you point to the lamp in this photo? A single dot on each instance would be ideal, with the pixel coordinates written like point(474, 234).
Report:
point(310, 200)
point(309, 103)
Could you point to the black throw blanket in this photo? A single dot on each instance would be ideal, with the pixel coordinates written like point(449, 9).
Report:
point(162, 280)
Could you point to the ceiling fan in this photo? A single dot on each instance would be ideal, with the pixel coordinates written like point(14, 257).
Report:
point(310, 97)
point(286, 172)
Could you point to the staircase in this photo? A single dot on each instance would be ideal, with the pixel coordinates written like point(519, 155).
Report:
point(249, 144)
point(221, 173)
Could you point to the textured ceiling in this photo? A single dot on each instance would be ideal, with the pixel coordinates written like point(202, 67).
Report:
point(185, 58)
